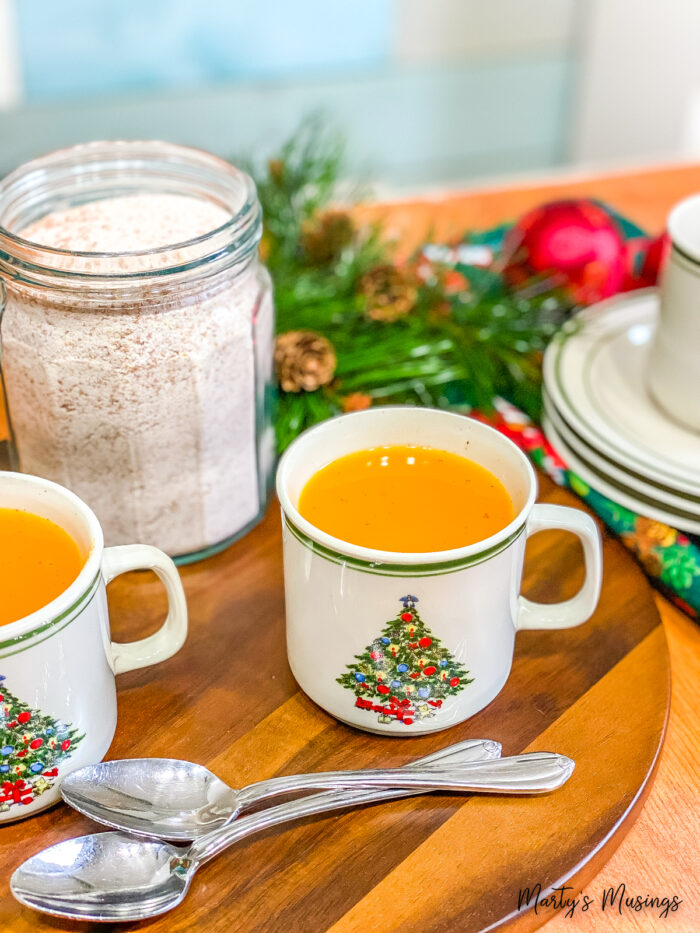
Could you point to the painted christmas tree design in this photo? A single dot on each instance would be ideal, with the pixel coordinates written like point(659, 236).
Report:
point(32, 745)
point(406, 673)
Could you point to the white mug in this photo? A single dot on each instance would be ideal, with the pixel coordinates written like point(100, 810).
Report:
point(409, 643)
point(58, 710)
point(673, 372)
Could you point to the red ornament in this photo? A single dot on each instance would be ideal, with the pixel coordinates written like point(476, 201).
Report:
point(24, 717)
point(12, 724)
point(406, 617)
point(376, 655)
point(454, 681)
point(407, 721)
point(37, 743)
point(382, 688)
point(22, 753)
point(412, 645)
point(425, 642)
point(429, 670)
point(2, 697)
point(577, 240)
point(65, 745)
point(415, 674)
point(51, 773)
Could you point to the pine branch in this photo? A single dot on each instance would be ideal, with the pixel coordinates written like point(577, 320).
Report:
point(459, 349)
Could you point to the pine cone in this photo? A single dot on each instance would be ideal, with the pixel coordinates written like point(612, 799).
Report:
point(324, 238)
point(304, 361)
point(390, 293)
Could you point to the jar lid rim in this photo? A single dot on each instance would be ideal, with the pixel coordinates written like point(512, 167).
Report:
point(235, 238)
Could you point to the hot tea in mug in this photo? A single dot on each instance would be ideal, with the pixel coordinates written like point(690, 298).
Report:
point(405, 498)
point(402, 565)
point(58, 708)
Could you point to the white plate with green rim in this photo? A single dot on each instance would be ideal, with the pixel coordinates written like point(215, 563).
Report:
point(619, 493)
point(596, 378)
point(665, 495)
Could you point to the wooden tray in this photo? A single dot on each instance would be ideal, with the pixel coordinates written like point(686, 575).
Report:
point(598, 693)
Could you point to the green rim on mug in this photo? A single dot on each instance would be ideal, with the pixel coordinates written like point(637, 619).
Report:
point(29, 639)
point(401, 570)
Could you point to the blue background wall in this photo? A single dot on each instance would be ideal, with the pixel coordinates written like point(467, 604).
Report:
point(428, 92)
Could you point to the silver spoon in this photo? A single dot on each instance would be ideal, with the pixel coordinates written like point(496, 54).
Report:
point(179, 800)
point(115, 877)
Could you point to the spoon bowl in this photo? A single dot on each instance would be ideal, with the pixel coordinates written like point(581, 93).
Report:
point(163, 797)
point(104, 876)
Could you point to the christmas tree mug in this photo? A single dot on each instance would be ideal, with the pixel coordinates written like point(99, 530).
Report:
point(409, 643)
point(58, 708)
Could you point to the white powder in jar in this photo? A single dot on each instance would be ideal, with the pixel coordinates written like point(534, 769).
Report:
point(146, 411)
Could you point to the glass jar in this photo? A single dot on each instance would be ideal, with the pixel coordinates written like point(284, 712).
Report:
point(137, 339)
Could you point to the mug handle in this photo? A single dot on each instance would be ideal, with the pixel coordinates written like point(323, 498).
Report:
point(576, 610)
point(171, 635)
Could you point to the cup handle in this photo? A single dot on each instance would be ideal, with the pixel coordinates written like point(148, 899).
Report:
point(171, 635)
point(576, 610)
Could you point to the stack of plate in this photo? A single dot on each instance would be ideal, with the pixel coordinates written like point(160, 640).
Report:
point(600, 417)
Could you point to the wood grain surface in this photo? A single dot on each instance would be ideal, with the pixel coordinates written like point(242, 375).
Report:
point(598, 693)
point(246, 730)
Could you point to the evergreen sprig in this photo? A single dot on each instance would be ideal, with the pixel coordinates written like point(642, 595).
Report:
point(453, 349)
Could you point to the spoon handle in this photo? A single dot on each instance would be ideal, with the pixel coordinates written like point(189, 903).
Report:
point(519, 774)
point(528, 773)
point(469, 751)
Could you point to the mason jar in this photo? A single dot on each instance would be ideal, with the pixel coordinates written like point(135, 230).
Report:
point(136, 329)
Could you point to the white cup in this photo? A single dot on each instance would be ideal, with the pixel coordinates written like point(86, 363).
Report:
point(449, 617)
point(673, 373)
point(57, 665)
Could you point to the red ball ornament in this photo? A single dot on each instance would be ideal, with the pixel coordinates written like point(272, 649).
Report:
point(22, 753)
point(425, 642)
point(376, 655)
point(406, 617)
point(382, 688)
point(407, 721)
point(454, 681)
point(37, 743)
point(577, 239)
point(429, 670)
point(24, 717)
point(65, 745)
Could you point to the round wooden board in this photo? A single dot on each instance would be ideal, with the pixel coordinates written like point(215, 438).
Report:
point(598, 693)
